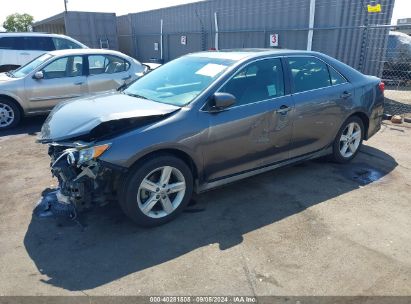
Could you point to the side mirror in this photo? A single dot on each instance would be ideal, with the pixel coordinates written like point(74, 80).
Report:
point(147, 68)
point(38, 75)
point(222, 101)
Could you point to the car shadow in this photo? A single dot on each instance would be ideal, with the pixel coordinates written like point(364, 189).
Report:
point(108, 246)
point(28, 125)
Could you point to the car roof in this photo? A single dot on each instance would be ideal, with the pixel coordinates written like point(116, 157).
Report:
point(85, 52)
point(31, 34)
point(240, 54)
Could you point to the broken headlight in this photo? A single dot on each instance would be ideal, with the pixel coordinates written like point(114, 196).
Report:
point(87, 154)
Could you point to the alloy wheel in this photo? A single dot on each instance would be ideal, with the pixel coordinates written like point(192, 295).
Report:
point(161, 192)
point(6, 115)
point(350, 140)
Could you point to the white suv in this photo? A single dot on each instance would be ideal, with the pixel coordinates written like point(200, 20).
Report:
point(17, 49)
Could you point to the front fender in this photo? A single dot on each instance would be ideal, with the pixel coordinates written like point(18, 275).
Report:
point(8, 94)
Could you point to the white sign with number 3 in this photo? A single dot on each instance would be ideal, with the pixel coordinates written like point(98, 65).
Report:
point(274, 40)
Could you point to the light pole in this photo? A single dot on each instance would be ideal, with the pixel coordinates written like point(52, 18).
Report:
point(65, 5)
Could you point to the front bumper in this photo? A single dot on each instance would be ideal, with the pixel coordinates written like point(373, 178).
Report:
point(85, 186)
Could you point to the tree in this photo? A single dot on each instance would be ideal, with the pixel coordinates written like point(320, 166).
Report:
point(18, 23)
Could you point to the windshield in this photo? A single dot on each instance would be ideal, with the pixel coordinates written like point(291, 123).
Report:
point(31, 66)
point(179, 81)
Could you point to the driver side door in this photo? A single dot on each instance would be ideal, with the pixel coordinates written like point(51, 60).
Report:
point(63, 79)
point(256, 131)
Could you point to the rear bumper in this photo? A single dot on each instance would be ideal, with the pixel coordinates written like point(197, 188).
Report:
point(375, 121)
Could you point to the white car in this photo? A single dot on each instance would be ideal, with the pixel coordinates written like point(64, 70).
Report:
point(17, 49)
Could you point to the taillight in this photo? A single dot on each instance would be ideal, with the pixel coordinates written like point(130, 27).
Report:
point(382, 86)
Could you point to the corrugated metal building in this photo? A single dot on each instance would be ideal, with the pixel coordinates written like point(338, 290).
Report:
point(344, 29)
point(96, 30)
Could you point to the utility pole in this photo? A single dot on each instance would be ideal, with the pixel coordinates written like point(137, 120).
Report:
point(65, 5)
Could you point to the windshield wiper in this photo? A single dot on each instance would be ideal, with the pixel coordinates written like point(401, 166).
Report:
point(137, 96)
point(10, 74)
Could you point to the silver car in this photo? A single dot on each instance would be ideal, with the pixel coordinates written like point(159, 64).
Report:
point(60, 75)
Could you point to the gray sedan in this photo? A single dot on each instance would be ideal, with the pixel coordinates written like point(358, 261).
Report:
point(60, 75)
point(205, 120)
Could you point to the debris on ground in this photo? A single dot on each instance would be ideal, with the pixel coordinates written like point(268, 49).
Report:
point(397, 119)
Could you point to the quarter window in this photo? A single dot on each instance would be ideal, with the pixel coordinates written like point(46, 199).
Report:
point(336, 77)
point(308, 74)
point(106, 64)
point(64, 67)
point(258, 81)
point(65, 44)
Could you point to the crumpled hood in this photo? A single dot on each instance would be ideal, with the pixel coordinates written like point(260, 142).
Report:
point(78, 117)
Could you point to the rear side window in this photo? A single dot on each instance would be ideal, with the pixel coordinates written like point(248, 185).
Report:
point(107, 64)
point(308, 73)
point(37, 44)
point(65, 44)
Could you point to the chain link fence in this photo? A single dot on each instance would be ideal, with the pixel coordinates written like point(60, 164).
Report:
point(395, 61)
point(345, 30)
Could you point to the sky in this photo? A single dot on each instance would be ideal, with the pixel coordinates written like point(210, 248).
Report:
point(42, 9)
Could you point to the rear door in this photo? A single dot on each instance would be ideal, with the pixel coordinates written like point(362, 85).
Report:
point(63, 79)
point(254, 132)
point(321, 96)
point(107, 72)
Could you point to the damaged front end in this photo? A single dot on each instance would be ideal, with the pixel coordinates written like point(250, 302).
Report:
point(84, 181)
point(78, 132)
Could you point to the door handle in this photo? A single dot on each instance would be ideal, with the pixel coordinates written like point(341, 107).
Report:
point(79, 83)
point(283, 110)
point(126, 78)
point(346, 95)
point(24, 54)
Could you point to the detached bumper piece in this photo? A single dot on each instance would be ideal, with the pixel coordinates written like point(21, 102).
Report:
point(53, 204)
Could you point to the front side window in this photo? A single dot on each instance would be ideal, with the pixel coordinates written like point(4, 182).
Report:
point(308, 73)
point(107, 64)
point(8, 43)
point(71, 66)
point(25, 43)
point(65, 44)
point(180, 81)
point(258, 81)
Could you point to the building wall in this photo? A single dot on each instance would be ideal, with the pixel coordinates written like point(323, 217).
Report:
point(91, 28)
point(87, 27)
point(340, 28)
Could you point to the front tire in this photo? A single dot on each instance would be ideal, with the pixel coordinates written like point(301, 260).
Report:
point(10, 114)
point(156, 190)
point(349, 140)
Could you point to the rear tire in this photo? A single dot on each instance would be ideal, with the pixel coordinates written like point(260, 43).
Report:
point(156, 190)
point(10, 114)
point(349, 140)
